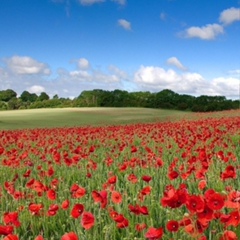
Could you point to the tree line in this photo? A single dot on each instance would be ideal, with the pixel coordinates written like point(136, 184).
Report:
point(166, 99)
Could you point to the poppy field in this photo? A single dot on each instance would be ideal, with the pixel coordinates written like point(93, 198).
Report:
point(167, 180)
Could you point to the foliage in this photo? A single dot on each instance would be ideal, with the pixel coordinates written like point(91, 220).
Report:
point(165, 99)
point(6, 95)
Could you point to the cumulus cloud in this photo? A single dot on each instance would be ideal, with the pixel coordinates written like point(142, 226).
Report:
point(118, 72)
point(207, 32)
point(155, 76)
point(156, 79)
point(36, 89)
point(234, 73)
point(90, 2)
point(26, 66)
point(211, 31)
point(125, 24)
point(93, 76)
point(83, 63)
point(146, 78)
point(175, 62)
point(226, 86)
point(230, 15)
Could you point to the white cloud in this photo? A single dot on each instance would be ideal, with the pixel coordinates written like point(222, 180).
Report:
point(156, 79)
point(125, 24)
point(155, 76)
point(145, 78)
point(95, 76)
point(80, 75)
point(26, 66)
point(36, 89)
point(121, 2)
point(230, 15)
point(234, 73)
point(118, 72)
point(226, 86)
point(208, 32)
point(90, 2)
point(83, 63)
point(175, 62)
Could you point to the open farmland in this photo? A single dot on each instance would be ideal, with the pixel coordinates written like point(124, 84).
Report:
point(69, 117)
point(162, 180)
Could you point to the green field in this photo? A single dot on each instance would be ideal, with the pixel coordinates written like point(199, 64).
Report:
point(68, 117)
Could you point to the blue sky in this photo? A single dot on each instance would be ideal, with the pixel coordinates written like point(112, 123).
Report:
point(66, 46)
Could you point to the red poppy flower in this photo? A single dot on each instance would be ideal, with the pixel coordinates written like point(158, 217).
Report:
point(51, 194)
point(116, 197)
point(232, 219)
point(230, 172)
point(215, 201)
point(233, 200)
point(11, 237)
point(100, 197)
point(172, 226)
point(87, 220)
point(9, 186)
point(35, 208)
point(229, 235)
point(77, 191)
point(11, 218)
point(133, 149)
point(154, 233)
point(69, 236)
point(65, 204)
point(146, 178)
point(202, 184)
point(77, 210)
point(52, 211)
point(92, 149)
point(195, 203)
point(6, 230)
point(146, 190)
point(173, 175)
point(50, 171)
point(138, 209)
point(112, 180)
point(206, 214)
point(174, 198)
point(39, 237)
point(27, 173)
point(121, 221)
point(54, 183)
point(132, 178)
point(140, 226)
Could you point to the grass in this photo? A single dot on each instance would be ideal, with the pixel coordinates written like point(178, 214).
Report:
point(69, 117)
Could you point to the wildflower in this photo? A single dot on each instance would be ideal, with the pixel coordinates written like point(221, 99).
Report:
point(87, 220)
point(172, 226)
point(77, 210)
point(154, 233)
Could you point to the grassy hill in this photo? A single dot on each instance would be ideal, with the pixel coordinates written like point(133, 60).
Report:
point(68, 117)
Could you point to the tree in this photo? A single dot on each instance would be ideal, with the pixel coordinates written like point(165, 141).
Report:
point(43, 96)
point(14, 103)
point(28, 97)
point(55, 96)
point(167, 99)
point(7, 95)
